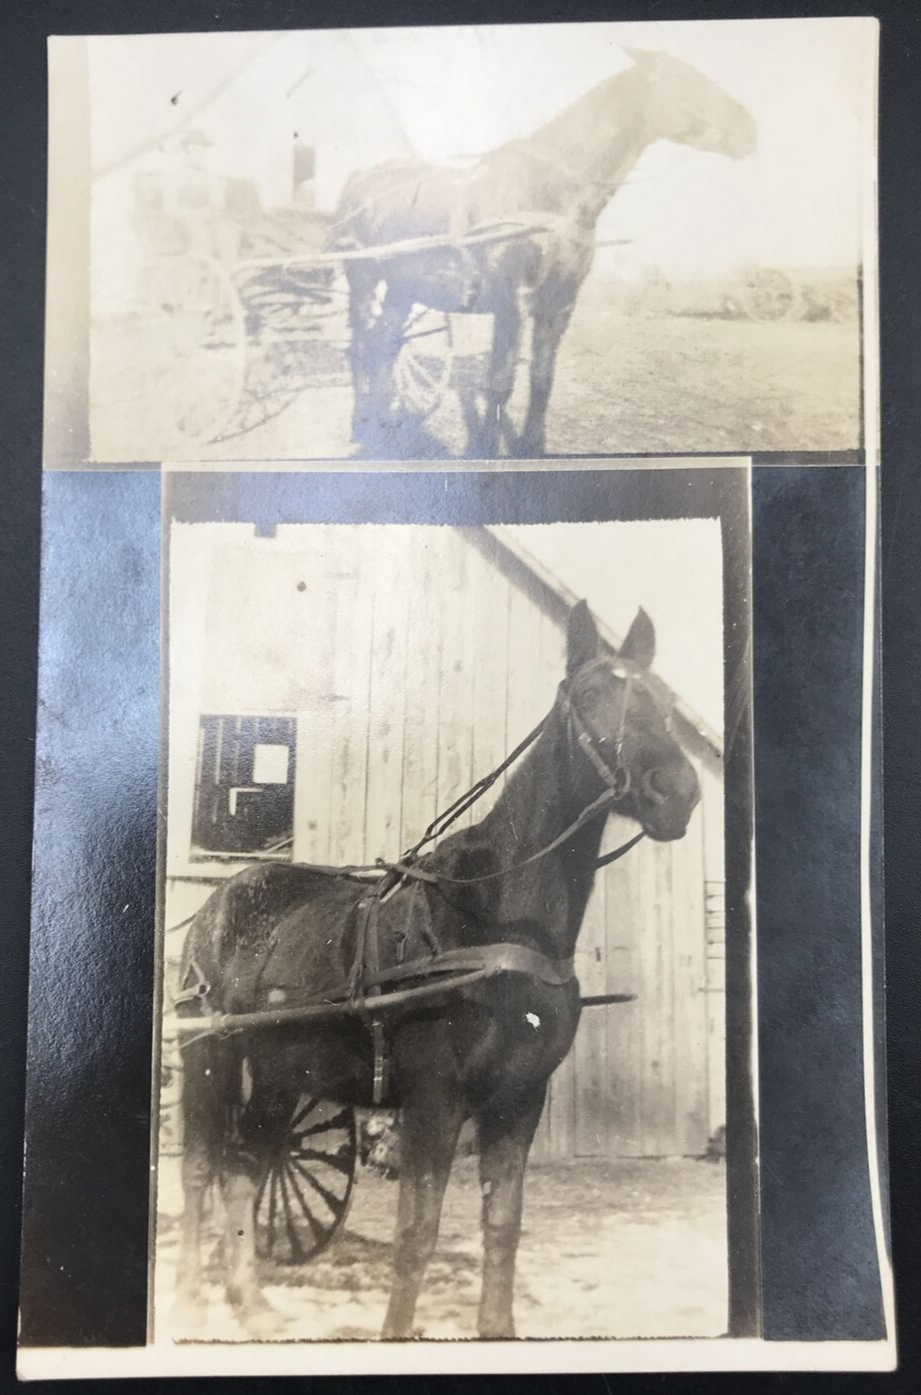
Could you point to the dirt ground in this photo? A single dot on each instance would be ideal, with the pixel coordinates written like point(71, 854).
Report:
point(624, 384)
point(609, 1249)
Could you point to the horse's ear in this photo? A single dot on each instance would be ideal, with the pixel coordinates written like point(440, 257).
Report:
point(581, 638)
point(640, 645)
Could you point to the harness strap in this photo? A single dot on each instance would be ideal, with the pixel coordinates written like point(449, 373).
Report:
point(590, 812)
point(462, 964)
point(619, 852)
point(462, 969)
point(364, 987)
point(616, 777)
point(493, 959)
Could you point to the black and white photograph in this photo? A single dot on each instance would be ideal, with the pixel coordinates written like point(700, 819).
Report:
point(481, 242)
point(445, 925)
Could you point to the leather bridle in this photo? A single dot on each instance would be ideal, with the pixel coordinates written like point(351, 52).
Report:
point(616, 779)
point(615, 775)
point(367, 991)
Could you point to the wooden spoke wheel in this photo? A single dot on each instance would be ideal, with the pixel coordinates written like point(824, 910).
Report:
point(422, 371)
point(305, 1196)
point(770, 294)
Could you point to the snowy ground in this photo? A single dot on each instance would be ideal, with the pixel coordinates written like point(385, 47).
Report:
point(616, 1249)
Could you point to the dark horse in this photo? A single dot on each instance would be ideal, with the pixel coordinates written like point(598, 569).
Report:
point(488, 1051)
point(565, 173)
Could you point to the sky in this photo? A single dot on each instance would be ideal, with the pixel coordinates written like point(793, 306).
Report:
point(672, 568)
point(363, 96)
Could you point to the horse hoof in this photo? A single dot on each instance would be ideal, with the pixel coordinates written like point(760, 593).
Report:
point(263, 1321)
point(256, 1314)
point(481, 449)
point(496, 1329)
point(189, 1311)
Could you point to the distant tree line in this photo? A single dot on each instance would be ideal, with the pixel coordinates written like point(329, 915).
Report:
point(754, 293)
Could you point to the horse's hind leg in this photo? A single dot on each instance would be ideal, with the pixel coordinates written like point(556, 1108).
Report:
point(428, 1138)
point(202, 1119)
point(363, 281)
point(548, 334)
point(384, 346)
point(246, 1162)
point(505, 1138)
point(503, 367)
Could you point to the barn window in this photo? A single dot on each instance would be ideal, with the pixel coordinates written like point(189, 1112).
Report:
point(244, 789)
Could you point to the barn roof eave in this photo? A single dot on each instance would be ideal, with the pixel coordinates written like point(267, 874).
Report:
point(556, 600)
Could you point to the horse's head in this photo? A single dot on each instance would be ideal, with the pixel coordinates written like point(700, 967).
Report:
point(691, 109)
point(620, 717)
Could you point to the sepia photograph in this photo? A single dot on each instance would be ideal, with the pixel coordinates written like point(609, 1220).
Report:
point(457, 871)
point(444, 1047)
point(460, 243)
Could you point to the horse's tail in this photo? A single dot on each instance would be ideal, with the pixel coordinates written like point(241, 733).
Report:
point(211, 1097)
point(205, 1061)
point(205, 945)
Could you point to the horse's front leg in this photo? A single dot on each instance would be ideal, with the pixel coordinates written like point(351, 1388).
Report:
point(505, 1141)
point(363, 288)
point(383, 346)
point(548, 333)
point(428, 1138)
point(503, 365)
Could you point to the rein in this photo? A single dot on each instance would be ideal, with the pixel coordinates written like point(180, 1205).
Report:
point(590, 812)
point(371, 991)
point(616, 779)
point(366, 992)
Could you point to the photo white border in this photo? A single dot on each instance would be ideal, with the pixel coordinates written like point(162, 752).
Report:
point(466, 1358)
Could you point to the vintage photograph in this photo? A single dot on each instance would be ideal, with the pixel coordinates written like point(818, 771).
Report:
point(480, 242)
point(444, 1048)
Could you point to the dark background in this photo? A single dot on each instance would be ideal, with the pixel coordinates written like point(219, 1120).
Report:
point(23, 124)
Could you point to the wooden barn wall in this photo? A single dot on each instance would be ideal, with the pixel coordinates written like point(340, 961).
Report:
point(429, 666)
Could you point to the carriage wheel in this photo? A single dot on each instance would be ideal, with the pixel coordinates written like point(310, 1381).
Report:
point(305, 1195)
point(771, 294)
point(194, 350)
point(422, 370)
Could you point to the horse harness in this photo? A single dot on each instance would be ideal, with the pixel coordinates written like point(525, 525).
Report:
point(367, 981)
point(368, 992)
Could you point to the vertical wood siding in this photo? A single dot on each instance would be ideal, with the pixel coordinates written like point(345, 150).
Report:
point(428, 666)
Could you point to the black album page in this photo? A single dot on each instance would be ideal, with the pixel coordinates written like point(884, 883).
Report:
point(456, 939)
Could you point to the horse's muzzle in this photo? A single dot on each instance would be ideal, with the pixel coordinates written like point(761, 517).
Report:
point(666, 798)
point(744, 139)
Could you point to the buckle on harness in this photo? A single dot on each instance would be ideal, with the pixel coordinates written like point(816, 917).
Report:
point(194, 991)
point(381, 1061)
